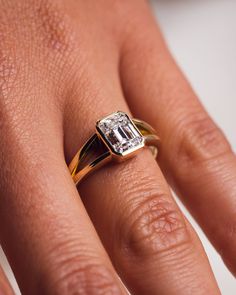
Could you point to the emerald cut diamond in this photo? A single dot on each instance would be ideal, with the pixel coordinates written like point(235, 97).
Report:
point(120, 134)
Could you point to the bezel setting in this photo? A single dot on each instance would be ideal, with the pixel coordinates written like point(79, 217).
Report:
point(120, 134)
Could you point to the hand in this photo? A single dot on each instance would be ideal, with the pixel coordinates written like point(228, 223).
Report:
point(63, 65)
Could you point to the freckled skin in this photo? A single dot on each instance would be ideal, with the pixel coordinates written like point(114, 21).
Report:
point(63, 66)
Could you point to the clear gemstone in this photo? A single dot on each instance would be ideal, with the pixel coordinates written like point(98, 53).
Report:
point(120, 133)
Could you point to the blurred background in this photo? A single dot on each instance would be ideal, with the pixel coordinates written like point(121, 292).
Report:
point(202, 36)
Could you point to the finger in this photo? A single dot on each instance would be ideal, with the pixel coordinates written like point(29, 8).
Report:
point(44, 217)
point(45, 231)
point(195, 157)
point(5, 288)
point(152, 246)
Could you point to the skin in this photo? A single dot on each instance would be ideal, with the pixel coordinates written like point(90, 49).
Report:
point(63, 65)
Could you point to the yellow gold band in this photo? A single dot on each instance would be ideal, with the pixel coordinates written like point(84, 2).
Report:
point(95, 153)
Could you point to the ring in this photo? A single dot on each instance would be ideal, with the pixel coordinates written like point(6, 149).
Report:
point(117, 137)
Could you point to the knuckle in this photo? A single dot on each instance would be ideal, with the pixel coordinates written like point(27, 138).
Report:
point(199, 139)
point(34, 33)
point(41, 23)
point(54, 26)
point(153, 226)
point(89, 279)
point(79, 274)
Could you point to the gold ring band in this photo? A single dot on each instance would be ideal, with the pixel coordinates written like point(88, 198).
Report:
point(117, 137)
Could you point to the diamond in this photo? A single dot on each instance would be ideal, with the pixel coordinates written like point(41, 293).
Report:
point(120, 133)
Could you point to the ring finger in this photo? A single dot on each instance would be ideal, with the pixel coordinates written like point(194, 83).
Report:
point(152, 246)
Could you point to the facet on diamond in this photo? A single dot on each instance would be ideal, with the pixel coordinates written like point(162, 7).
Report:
point(120, 133)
